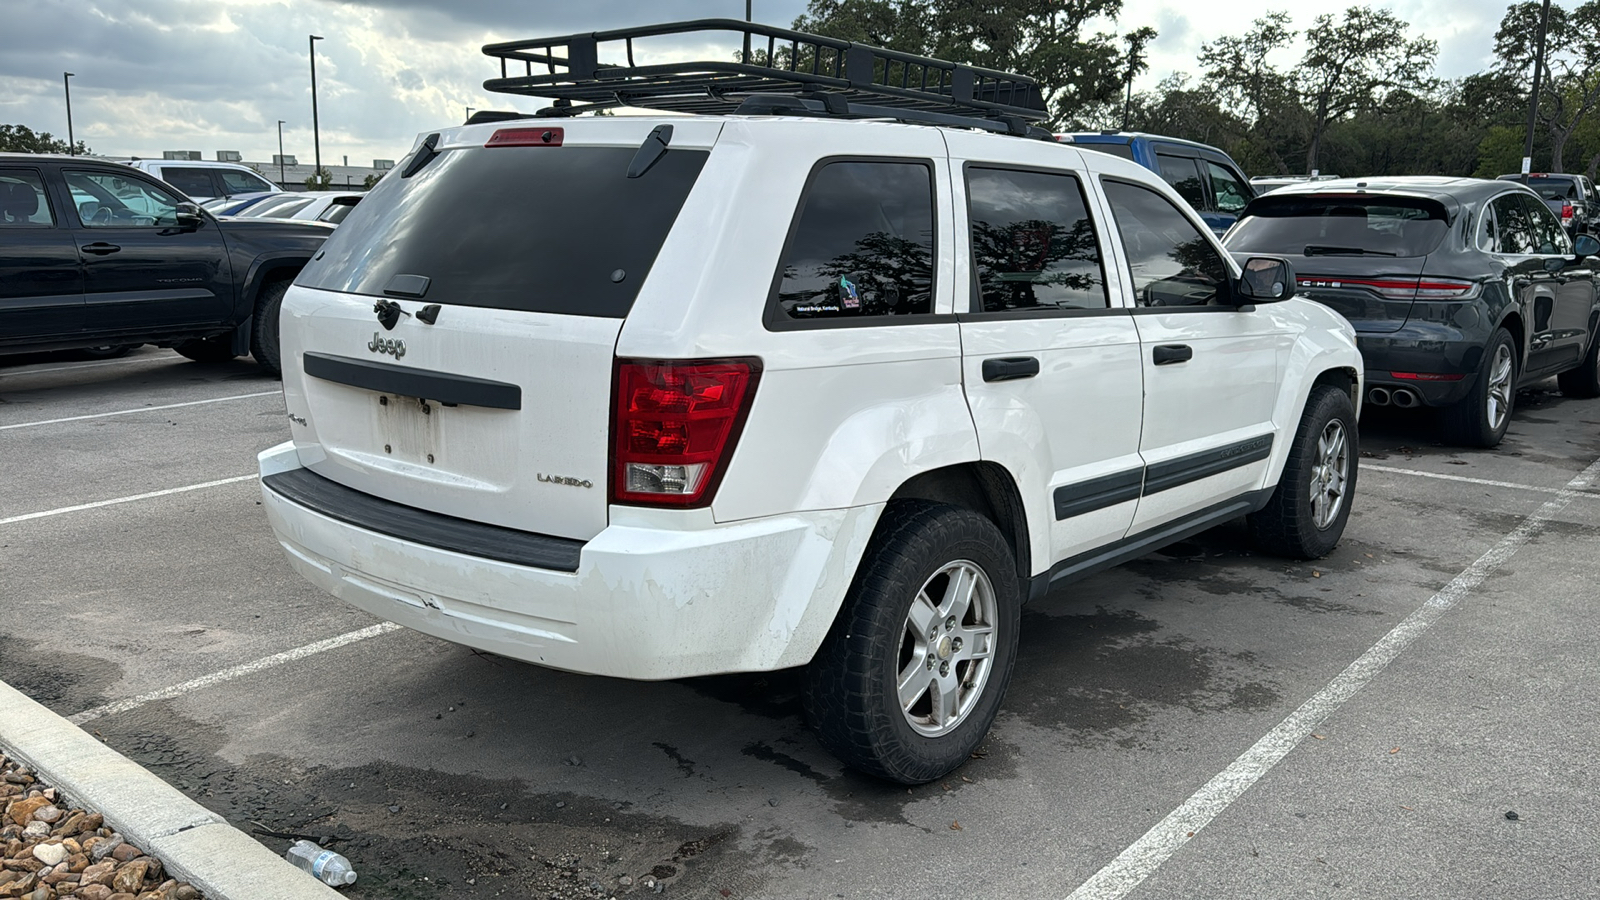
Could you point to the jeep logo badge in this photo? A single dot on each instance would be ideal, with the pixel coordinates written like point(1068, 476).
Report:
point(394, 348)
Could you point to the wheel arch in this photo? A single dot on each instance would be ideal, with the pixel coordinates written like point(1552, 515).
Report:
point(987, 489)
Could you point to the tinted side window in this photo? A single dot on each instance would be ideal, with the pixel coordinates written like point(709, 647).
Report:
point(23, 203)
point(1515, 226)
point(1033, 242)
point(1124, 150)
point(1179, 171)
point(863, 245)
point(105, 200)
point(1550, 238)
point(194, 182)
point(236, 182)
point(1488, 231)
point(1231, 194)
point(1173, 264)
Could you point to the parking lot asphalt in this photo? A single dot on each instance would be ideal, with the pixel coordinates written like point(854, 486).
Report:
point(1204, 722)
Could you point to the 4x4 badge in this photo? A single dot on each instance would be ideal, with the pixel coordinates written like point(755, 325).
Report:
point(392, 347)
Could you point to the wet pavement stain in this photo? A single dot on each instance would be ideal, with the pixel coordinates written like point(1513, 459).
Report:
point(65, 682)
point(1099, 675)
point(421, 833)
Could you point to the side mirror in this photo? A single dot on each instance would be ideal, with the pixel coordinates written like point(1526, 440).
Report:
point(1586, 245)
point(188, 215)
point(1266, 279)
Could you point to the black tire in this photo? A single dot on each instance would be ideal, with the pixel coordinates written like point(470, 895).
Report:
point(851, 696)
point(111, 351)
point(1293, 524)
point(264, 330)
point(1584, 381)
point(1471, 422)
point(217, 349)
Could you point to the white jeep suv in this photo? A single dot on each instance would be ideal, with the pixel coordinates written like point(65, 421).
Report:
point(663, 397)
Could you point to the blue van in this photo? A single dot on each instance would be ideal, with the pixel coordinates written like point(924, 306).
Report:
point(1203, 175)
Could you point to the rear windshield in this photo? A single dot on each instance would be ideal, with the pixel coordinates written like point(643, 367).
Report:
point(1555, 188)
point(536, 229)
point(1339, 226)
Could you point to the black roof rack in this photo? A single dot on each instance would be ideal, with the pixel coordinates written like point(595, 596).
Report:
point(780, 71)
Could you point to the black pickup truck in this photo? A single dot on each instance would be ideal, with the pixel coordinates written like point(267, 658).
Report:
point(96, 254)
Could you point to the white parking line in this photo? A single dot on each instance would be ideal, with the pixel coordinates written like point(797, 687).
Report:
point(129, 412)
point(239, 671)
point(99, 503)
point(1462, 478)
point(93, 365)
point(1146, 855)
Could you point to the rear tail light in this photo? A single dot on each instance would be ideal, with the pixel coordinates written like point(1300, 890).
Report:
point(1566, 210)
point(1394, 288)
point(675, 427)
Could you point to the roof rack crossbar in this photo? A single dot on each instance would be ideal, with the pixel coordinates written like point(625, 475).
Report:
point(794, 63)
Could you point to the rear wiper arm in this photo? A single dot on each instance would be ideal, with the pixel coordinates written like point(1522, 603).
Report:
point(1322, 250)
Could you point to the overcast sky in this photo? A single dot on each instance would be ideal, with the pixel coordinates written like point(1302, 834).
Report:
point(154, 75)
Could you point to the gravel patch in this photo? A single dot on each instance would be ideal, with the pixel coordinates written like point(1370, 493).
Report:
point(53, 849)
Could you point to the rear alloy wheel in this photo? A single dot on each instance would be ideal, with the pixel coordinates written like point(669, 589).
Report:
point(1481, 418)
point(908, 681)
point(1584, 381)
point(1307, 513)
point(217, 349)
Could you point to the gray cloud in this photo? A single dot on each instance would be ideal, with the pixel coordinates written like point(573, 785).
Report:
point(218, 74)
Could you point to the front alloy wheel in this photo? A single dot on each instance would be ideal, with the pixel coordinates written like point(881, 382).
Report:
point(1330, 476)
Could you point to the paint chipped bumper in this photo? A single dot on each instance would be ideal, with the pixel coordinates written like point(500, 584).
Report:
point(646, 602)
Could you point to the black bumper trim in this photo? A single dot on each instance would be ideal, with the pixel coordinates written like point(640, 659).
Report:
point(306, 488)
point(388, 378)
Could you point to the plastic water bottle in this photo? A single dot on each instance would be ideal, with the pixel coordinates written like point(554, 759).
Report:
point(326, 866)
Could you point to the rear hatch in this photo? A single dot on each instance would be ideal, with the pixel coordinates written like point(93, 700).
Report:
point(1361, 254)
point(533, 249)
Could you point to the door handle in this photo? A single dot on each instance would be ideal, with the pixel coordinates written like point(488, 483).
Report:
point(1010, 368)
point(1167, 354)
point(100, 248)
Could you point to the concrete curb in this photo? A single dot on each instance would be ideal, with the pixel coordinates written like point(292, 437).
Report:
point(195, 844)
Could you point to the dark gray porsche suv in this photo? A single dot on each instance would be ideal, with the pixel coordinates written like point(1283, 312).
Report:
point(1460, 289)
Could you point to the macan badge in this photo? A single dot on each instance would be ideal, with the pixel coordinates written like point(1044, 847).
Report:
point(392, 347)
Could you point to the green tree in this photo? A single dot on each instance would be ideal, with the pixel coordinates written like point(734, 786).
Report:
point(22, 139)
point(371, 181)
point(1238, 71)
point(1352, 64)
point(1571, 73)
point(321, 180)
point(1044, 39)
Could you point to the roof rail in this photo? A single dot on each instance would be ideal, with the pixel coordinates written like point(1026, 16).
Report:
point(779, 71)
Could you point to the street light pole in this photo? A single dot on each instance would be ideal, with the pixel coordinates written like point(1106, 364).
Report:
point(1533, 101)
point(72, 147)
point(281, 178)
point(469, 113)
point(316, 135)
point(747, 17)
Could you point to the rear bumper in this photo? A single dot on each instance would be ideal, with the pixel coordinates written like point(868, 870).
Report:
point(644, 603)
point(1423, 347)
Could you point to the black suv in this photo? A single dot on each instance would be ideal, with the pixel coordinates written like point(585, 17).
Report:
point(1460, 290)
point(96, 254)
